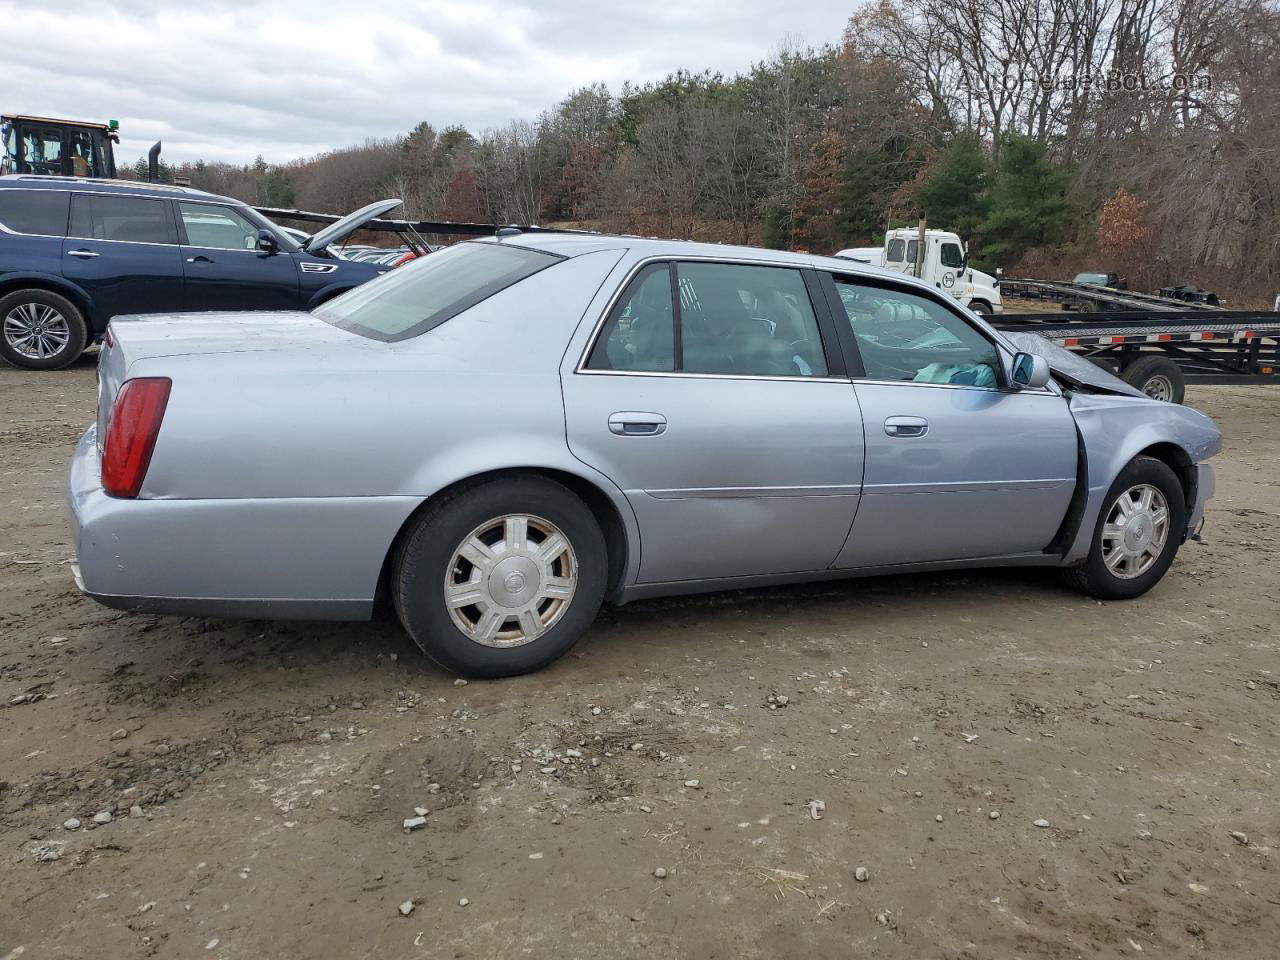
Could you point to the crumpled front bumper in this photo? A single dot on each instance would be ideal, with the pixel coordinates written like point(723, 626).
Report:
point(1206, 485)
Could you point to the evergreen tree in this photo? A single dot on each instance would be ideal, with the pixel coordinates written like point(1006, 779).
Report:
point(954, 193)
point(1028, 206)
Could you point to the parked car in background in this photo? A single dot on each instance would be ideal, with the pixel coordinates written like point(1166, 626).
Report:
point(488, 437)
point(76, 252)
point(301, 236)
point(1096, 279)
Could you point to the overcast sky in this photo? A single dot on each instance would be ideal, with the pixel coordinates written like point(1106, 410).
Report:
point(231, 79)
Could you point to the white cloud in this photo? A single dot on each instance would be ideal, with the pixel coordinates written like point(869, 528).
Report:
point(228, 79)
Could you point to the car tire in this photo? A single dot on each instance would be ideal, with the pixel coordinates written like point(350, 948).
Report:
point(56, 328)
point(1110, 572)
point(1158, 377)
point(532, 602)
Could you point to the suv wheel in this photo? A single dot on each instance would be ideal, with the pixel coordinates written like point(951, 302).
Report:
point(40, 330)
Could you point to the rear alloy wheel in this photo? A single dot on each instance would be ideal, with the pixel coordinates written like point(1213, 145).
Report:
point(501, 578)
point(40, 330)
point(510, 580)
point(1137, 535)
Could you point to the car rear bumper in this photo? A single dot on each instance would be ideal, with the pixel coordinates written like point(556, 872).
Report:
point(316, 558)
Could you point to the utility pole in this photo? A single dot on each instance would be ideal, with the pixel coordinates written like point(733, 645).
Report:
point(919, 267)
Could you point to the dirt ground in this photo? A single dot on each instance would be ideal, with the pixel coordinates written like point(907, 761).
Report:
point(258, 775)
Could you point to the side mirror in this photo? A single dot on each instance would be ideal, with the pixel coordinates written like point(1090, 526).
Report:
point(267, 242)
point(1030, 372)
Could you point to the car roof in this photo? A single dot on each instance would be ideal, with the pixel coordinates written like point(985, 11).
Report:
point(572, 244)
point(33, 181)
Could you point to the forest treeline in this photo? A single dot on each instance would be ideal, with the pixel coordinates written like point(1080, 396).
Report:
point(1136, 135)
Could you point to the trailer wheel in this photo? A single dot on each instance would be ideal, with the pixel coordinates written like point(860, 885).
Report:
point(1159, 378)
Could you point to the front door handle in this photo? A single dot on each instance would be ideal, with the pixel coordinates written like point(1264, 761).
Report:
point(906, 426)
point(82, 254)
point(632, 424)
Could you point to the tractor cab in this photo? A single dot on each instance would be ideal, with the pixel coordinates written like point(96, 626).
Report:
point(59, 148)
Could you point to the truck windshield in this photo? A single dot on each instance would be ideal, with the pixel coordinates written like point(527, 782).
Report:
point(428, 291)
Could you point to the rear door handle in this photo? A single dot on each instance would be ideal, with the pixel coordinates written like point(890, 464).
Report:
point(906, 426)
point(632, 424)
point(199, 259)
point(82, 254)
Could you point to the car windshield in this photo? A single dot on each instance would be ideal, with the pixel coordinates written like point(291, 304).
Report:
point(428, 291)
point(1097, 279)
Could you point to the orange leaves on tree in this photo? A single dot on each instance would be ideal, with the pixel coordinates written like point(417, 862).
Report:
point(1122, 232)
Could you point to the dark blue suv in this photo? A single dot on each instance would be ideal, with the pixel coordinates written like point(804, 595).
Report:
point(76, 252)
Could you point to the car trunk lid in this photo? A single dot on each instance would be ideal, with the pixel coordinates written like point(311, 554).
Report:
point(130, 339)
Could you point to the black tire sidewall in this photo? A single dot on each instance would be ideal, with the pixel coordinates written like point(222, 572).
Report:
point(1101, 581)
point(76, 343)
point(424, 555)
point(1144, 368)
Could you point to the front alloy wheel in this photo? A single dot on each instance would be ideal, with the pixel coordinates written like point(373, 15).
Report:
point(1135, 531)
point(1139, 529)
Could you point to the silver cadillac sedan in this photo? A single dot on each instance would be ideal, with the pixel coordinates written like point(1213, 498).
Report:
point(502, 436)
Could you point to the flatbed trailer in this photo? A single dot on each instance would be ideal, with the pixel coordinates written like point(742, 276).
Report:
point(1089, 298)
point(1160, 351)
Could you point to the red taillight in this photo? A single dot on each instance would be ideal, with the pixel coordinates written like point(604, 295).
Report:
point(131, 434)
point(108, 338)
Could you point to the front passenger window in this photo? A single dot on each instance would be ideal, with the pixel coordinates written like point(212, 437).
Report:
point(903, 336)
point(219, 228)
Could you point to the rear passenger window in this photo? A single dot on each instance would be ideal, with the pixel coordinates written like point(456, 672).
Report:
point(748, 320)
point(100, 216)
point(733, 319)
point(640, 332)
point(42, 212)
